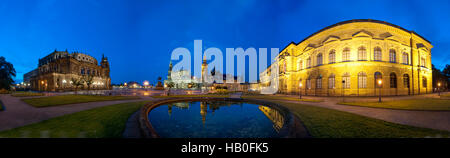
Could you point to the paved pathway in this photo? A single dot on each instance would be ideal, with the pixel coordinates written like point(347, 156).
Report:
point(427, 119)
point(18, 113)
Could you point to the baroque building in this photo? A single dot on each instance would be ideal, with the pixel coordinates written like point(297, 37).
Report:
point(58, 70)
point(361, 57)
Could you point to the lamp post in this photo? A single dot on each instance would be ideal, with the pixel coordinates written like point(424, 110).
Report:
point(343, 86)
point(300, 90)
point(380, 82)
point(439, 89)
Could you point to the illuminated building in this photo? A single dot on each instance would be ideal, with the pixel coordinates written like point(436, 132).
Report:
point(348, 58)
point(56, 71)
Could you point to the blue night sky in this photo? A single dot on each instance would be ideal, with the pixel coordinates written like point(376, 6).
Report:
point(139, 36)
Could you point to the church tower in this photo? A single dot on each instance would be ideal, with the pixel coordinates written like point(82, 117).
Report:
point(169, 74)
point(204, 70)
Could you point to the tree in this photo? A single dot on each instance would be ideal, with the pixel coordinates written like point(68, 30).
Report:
point(446, 73)
point(89, 79)
point(76, 83)
point(7, 72)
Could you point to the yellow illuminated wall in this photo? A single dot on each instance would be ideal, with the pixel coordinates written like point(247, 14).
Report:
point(361, 48)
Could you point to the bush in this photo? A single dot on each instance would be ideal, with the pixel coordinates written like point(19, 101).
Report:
point(4, 91)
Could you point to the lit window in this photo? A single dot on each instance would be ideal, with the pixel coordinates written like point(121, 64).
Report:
point(319, 82)
point(392, 56)
point(308, 83)
point(405, 58)
point(362, 80)
point(332, 57)
point(406, 80)
point(362, 55)
point(331, 82)
point(300, 65)
point(346, 80)
point(377, 54)
point(346, 54)
point(393, 80)
point(319, 59)
point(423, 62)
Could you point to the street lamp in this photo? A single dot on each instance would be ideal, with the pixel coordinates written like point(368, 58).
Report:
point(300, 90)
point(439, 89)
point(380, 82)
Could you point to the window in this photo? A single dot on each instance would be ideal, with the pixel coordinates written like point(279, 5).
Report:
point(331, 82)
point(392, 56)
point(284, 66)
point(362, 55)
point(300, 65)
point(423, 62)
point(82, 71)
point(308, 83)
point(424, 82)
point(332, 56)
point(393, 80)
point(346, 54)
point(308, 62)
point(319, 59)
point(362, 80)
point(405, 58)
point(377, 54)
point(406, 80)
point(319, 82)
point(377, 76)
point(346, 80)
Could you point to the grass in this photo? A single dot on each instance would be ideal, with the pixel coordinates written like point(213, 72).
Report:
point(26, 94)
point(103, 122)
point(71, 99)
point(412, 104)
point(328, 123)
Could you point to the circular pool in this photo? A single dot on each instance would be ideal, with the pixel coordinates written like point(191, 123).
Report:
point(223, 119)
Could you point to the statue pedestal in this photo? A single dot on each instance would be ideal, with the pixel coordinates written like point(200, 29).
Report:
point(159, 86)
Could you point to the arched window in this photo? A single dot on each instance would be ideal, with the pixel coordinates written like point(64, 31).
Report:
point(377, 54)
point(362, 80)
point(393, 80)
point(405, 58)
point(424, 82)
point(406, 80)
point(300, 65)
point(82, 71)
point(319, 59)
point(378, 76)
point(331, 81)
point(319, 82)
point(332, 56)
point(308, 62)
point(392, 56)
point(308, 83)
point(346, 80)
point(362, 55)
point(346, 54)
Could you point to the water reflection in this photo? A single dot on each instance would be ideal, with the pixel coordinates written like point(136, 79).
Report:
point(216, 119)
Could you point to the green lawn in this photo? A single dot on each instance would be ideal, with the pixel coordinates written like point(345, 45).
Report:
point(103, 122)
point(327, 123)
point(71, 99)
point(26, 94)
point(413, 104)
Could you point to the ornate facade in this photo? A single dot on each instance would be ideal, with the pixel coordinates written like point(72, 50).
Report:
point(56, 71)
point(356, 58)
